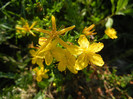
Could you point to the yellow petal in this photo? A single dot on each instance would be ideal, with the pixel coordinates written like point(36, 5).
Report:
point(81, 62)
point(45, 76)
point(88, 30)
point(54, 43)
point(32, 52)
point(39, 78)
point(111, 33)
point(71, 62)
point(73, 49)
point(65, 30)
point(32, 33)
point(44, 45)
point(27, 25)
point(96, 59)
point(41, 30)
point(33, 24)
point(48, 58)
point(70, 58)
point(53, 24)
point(58, 53)
point(62, 66)
point(35, 69)
point(40, 62)
point(50, 46)
point(83, 42)
point(72, 68)
point(42, 69)
point(42, 40)
point(64, 44)
point(39, 72)
point(96, 47)
point(34, 59)
point(20, 28)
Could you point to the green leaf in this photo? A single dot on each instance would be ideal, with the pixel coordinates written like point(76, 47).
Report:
point(7, 75)
point(39, 95)
point(113, 6)
point(128, 11)
point(4, 6)
point(4, 26)
point(121, 4)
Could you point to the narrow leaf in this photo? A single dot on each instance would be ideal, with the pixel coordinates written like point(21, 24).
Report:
point(113, 6)
point(121, 4)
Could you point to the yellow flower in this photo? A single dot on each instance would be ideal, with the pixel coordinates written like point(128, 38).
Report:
point(40, 73)
point(88, 53)
point(54, 33)
point(46, 54)
point(66, 60)
point(111, 33)
point(87, 31)
point(46, 48)
point(27, 28)
point(37, 59)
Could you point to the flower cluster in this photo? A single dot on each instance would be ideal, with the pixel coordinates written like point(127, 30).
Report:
point(69, 56)
point(41, 73)
point(26, 28)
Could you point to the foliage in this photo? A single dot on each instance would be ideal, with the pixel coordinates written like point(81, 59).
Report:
point(39, 61)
